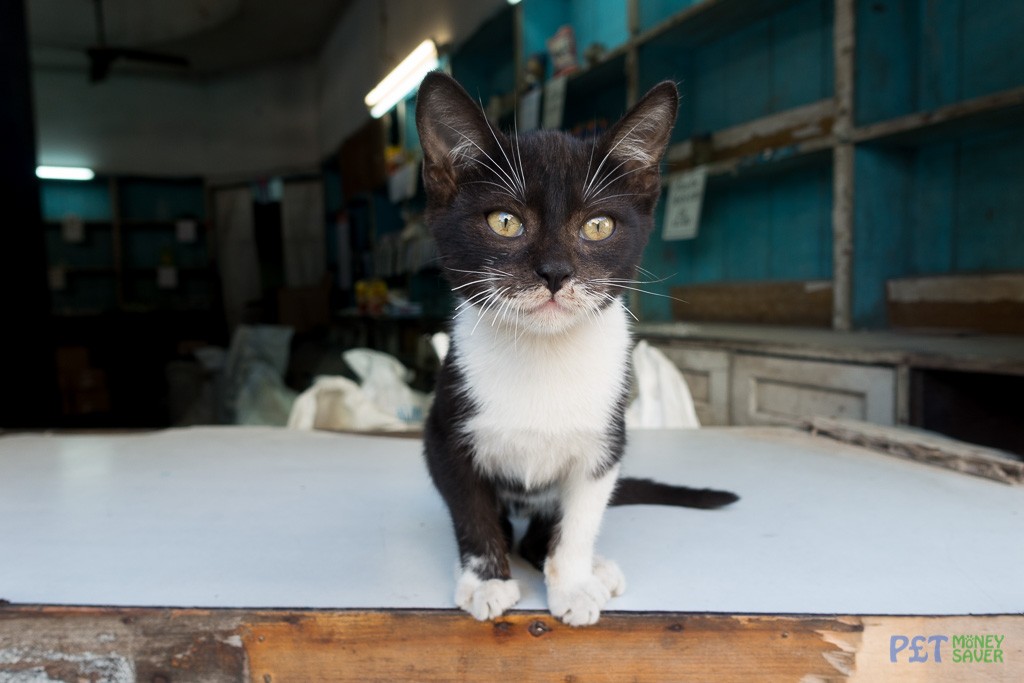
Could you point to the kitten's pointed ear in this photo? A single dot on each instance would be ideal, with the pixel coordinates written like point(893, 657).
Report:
point(639, 139)
point(451, 125)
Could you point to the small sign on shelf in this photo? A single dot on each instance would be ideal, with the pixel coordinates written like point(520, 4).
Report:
point(683, 205)
point(167, 277)
point(186, 230)
point(58, 276)
point(72, 229)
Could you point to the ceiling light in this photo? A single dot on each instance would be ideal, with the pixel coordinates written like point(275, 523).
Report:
point(64, 173)
point(400, 82)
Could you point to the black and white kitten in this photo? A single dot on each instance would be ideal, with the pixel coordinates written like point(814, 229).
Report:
point(538, 235)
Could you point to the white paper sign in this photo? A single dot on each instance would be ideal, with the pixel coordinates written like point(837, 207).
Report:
point(58, 278)
point(186, 230)
point(167, 277)
point(72, 229)
point(683, 204)
point(554, 102)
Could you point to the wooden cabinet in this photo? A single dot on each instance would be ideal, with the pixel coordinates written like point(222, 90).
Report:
point(769, 390)
point(707, 374)
point(966, 387)
point(758, 389)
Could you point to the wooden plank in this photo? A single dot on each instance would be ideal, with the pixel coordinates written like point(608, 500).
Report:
point(710, 19)
point(842, 237)
point(534, 647)
point(925, 447)
point(843, 165)
point(783, 303)
point(71, 644)
point(979, 113)
point(981, 303)
point(796, 132)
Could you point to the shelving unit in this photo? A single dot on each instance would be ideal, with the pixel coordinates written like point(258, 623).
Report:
point(793, 104)
point(115, 326)
point(129, 231)
point(862, 161)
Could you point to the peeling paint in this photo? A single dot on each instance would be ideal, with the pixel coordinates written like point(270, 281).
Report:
point(233, 641)
point(30, 665)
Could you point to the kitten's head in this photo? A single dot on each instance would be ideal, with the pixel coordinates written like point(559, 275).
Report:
point(542, 230)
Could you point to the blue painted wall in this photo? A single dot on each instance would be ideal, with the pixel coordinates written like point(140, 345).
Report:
point(599, 21)
point(952, 206)
point(147, 199)
point(763, 227)
point(653, 12)
point(88, 200)
point(771, 65)
point(914, 55)
point(485, 63)
point(593, 21)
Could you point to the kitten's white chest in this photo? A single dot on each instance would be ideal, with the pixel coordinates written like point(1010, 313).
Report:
point(545, 402)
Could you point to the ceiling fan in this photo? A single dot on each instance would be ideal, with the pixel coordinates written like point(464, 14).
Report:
point(103, 56)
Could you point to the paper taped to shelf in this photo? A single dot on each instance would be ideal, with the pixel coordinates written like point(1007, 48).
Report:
point(683, 205)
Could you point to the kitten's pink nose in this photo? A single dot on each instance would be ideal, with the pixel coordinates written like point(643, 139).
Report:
point(555, 273)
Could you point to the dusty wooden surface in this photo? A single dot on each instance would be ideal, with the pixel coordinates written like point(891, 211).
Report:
point(70, 645)
point(807, 303)
point(921, 446)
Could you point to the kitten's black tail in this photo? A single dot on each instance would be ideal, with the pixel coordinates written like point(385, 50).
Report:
point(632, 491)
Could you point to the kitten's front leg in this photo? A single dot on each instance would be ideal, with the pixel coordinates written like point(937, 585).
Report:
point(484, 586)
point(580, 583)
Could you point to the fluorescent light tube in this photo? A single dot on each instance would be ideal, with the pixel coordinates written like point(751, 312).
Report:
point(64, 173)
point(405, 77)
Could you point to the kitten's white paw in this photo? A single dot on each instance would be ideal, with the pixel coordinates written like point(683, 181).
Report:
point(485, 599)
point(608, 572)
point(579, 604)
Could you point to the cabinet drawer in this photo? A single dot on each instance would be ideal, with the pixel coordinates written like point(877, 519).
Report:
point(767, 390)
point(707, 375)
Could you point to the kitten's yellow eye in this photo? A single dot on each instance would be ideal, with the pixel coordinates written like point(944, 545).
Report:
point(505, 224)
point(597, 229)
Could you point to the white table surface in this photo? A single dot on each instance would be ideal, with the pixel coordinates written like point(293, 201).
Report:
point(260, 517)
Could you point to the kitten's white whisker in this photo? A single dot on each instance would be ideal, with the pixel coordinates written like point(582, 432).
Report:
point(500, 313)
point(622, 304)
point(494, 165)
point(644, 291)
point(519, 155)
point(490, 271)
point(515, 332)
point(593, 146)
point(476, 282)
point(488, 182)
point(499, 272)
point(511, 167)
point(651, 274)
point(614, 196)
point(488, 303)
point(608, 182)
point(628, 281)
point(464, 306)
point(613, 147)
point(505, 184)
point(594, 189)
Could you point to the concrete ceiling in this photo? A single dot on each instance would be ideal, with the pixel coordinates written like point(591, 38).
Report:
point(215, 36)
